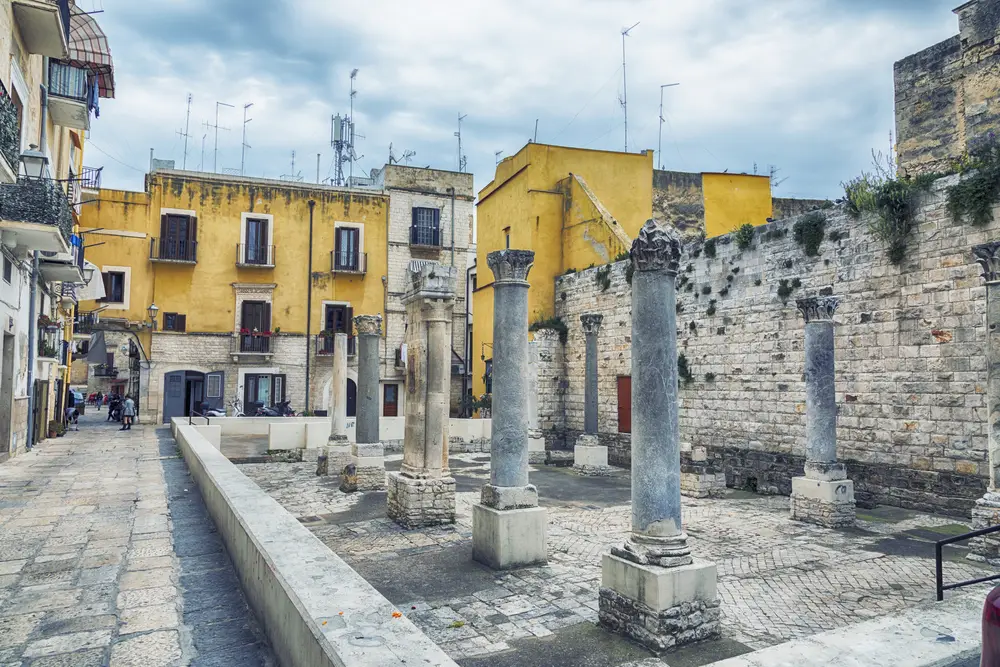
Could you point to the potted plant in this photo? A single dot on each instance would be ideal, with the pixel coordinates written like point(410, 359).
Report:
point(53, 428)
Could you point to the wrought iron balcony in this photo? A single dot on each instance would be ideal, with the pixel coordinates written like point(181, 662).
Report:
point(85, 323)
point(33, 208)
point(178, 251)
point(252, 256)
point(10, 136)
point(90, 178)
point(105, 371)
point(348, 262)
point(324, 345)
point(253, 343)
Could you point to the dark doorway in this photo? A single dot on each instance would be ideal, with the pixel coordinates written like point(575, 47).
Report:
point(352, 399)
point(6, 394)
point(40, 408)
point(185, 391)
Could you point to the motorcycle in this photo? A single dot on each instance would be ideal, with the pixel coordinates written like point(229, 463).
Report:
point(280, 409)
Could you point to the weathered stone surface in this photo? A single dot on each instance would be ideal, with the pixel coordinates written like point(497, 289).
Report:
point(416, 503)
point(821, 512)
point(686, 623)
point(591, 326)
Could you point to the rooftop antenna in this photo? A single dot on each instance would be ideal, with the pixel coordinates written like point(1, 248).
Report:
point(535, 140)
point(201, 165)
point(659, 146)
point(624, 99)
point(293, 176)
point(186, 133)
point(215, 160)
point(354, 75)
point(461, 158)
point(243, 156)
point(497, 155)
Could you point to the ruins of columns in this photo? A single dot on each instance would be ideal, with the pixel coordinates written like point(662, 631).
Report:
point(508, 526)
point(652, 589)
point(367, 469)
point(338, 448)
point(536, 441)
point(422, 493)
point(589, 456)
point(824, 495)
point(986, 511)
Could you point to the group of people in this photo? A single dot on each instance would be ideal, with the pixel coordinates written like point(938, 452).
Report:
point(119, 408)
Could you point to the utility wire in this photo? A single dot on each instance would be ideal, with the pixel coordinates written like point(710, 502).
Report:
point(101, 150)
point(611, 78)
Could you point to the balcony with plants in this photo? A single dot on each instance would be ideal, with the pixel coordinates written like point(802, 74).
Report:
point(35, 209)
point(10, 137)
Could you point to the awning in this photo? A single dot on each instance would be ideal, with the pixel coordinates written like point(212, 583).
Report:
point(88, 48)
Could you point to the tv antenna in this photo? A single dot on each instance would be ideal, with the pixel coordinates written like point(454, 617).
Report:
point(215, 159)
point(293, 176)
point(342, 138)
point(497, 155)
point(461, 158)
point(201, 165)
point(624, 99)
point(243, 155)
point(186, 133)
point(403, 159)
point(659, 145)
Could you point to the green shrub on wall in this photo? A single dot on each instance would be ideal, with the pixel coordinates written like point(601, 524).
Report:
point(809, 231)
point(744, 236)
point(974, 196)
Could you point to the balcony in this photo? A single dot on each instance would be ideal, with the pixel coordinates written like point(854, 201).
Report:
point(173, 251)
point(90, 178)
point(84, 324)
point(324, 345)
point(251, 256)
point(251, 348)
point(36, 214)
point(105, 371)
point(44, 26)
point(348, 262)
point(10, 138)
point(64, 267)
point(69, 89)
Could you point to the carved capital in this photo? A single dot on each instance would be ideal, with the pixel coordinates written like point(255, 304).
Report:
point(510, 265)
point(368, 325)
point(818, 308)
point(657, 248)
point(988, 256)
point(591, 323)
point(429, 280)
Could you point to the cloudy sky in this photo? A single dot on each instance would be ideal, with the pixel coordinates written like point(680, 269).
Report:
point(805, 85)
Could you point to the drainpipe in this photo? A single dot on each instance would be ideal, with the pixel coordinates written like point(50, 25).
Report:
point(309, 294)
point(467, 375)
point(32, 347)
point(452, 190)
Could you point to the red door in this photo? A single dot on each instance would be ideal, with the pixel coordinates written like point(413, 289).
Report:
point(625, 404)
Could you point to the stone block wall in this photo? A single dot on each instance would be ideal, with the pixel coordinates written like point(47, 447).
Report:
point(909, 353)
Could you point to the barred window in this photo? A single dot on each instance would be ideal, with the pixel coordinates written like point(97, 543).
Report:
point(426, 228)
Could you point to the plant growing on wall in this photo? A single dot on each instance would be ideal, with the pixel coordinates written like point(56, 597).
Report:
point(683, 370)
point(809, 231)
point(603, 277)
point(553, 323)
point(711, 308)
point(973, 197)
point(710, 248)
point(706, 289)
point(785, 288)
point(744, 236)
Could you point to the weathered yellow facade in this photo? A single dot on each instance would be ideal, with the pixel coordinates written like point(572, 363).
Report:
point(733, 200)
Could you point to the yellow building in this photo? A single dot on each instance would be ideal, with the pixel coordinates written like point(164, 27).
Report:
point(230, 264)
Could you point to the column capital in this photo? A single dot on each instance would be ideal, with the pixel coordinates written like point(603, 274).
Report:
point(988, 256)
point(368, 325)
point(429, 279)
point(818, 308)
point(510, 265)
point(591, 323)
point(657, 248)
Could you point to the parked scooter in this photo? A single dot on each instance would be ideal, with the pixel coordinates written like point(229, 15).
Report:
point(281, 409)
point(212, 412)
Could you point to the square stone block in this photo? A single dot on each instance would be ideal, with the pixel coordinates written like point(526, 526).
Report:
point(509, 538)
point(825, 503)
point(416, 503)
point(590, 455)
point(838, 491)
point(660, 588)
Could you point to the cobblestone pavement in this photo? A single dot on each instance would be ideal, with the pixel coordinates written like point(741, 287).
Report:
point(778, 579)
point(107, 557)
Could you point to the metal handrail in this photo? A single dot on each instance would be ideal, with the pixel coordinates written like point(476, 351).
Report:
point(939, 574)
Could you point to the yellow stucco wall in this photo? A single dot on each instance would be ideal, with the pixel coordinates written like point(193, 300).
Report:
point(527, 195)
point(204, 292)
point(732, 200)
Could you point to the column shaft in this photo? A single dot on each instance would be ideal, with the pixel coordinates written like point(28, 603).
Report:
point(368, 389)
point(590, 389)
point(821, 396)
point(436, 428)
point(338, 387)
point(509, 460)
point(993, 380)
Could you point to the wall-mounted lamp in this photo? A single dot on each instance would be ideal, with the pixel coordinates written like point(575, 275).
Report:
point(152, 310)
point(88, 273)
point(34, 162)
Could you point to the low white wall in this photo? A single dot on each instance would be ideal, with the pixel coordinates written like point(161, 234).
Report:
point(211, 433)
point(470, 429)
point(315, 610)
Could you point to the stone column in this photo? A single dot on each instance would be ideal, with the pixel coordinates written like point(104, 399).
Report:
point(367, 469)
point(536, 442)
point(589, 456)
point(423, 492)
point(338, 448)
point(652, 589)
point(824, 495)
point(508, 526)
point(986, 511)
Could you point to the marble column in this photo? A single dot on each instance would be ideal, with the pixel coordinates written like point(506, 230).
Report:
point(589, 456)
point(986, 511)
point(367, 469)
point(338, 448)
point(536, 441)
point(422, 493)
point(508, 526)
point(823, 495)
point(652, 589)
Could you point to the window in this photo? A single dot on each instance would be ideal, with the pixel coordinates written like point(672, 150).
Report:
point(390, 400)
point(261, 389)
point(114, 286)
point(255, 327)
point(426, 228)
point(475, 282)
point(337, 319)
point(214, 388)
point(347, 249)
point(489, 376)
point(625, 404)
point(8, 270)
point(174, 322)
point(257, 250)
point(178, 234)
point(506, 236)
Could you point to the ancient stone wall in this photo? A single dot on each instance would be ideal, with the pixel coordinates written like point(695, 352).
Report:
point(909, 354)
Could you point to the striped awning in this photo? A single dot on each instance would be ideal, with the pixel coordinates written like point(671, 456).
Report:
point(88, 48)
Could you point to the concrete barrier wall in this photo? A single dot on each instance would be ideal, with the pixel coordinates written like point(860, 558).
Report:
point(314, 609)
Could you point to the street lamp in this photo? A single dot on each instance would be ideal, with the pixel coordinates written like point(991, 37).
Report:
point(88, 273)
point(152, 310)
point(34, 162)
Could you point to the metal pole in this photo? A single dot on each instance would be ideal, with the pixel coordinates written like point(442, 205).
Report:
point(32, 348)
point(625, 83)
point(312, 206)
point(659, 147)
point(937, 565)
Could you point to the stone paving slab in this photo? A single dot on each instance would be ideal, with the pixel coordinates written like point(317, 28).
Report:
point(108, 558)
point(779, 580)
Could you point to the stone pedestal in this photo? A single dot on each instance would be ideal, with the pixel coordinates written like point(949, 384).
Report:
point(367, 469)
point(418, 503)
point(827, 503)
point(589, 457)
point(536, 447)
point(700, 478)
point(509, 538)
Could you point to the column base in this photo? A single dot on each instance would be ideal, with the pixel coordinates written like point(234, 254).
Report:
point(590, 458)
point(505, 539)
point(417, 503)
point(660, 607)
point(824, 503)
point(701, 479)
point(366, 471)
point(986, 513)
point(536, 448)
point(338, 454)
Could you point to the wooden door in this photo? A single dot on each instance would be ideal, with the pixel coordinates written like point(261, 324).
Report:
point(625, 404)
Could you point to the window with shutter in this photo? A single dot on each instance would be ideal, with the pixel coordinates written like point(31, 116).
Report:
point(425, 227)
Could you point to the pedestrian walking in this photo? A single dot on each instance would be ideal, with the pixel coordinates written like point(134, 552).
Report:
point(128, 414)
point(100, 399)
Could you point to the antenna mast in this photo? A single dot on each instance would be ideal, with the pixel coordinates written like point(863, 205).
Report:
point(624, 100)
point(342, 136)
point(243, 155)
point(659, 146)
point(186, 133)
point(215, 159)
point(461, 158)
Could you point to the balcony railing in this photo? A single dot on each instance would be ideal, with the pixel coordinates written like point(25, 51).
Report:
point(90, 178)
point(85, 323)
point(254, 344)
point(105, 371)
point(68, 81)
point(348, 262)
point(255, 256)
point(428, 236)
point(324, 345)
point(180, 251)
point(37, 200)
point(10, 131)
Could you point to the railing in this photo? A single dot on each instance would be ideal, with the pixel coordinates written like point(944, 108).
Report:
point(10, 130)
point(90, 178)
point(348, 262)
point(324, 345)
point(85, 323)
point(255, 344)
point(254, 255)
point(105, 371)
point(425, 235)
point(173, 250)
point(67, 81)
point(939, 575)
point(37, 200)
